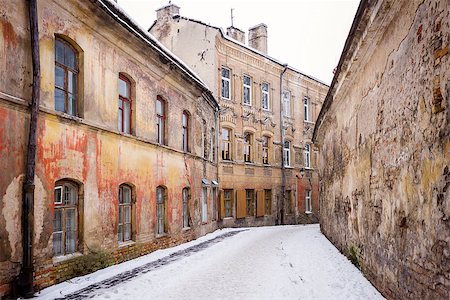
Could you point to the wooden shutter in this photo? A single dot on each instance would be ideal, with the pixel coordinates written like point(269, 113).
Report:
point(222, 206)
point(260, 203)
point(241, 208)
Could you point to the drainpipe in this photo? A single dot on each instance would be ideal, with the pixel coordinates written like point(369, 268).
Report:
point(216, 149)
point(25, 283)
point(283, 169)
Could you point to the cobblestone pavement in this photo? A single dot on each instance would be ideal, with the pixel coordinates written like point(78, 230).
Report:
point(96, 288)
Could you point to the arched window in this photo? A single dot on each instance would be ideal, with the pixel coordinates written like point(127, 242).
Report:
point(226, 144)
point(124, 230)
point(161, 210)
point(66, 71)
point(185, 133)
point(65, 218)
point(125, 111)
point(248, 147)
point(160, 121)
point(265, 150)
point(185, 196)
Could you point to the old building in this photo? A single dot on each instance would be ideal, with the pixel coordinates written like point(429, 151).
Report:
point(125, 156)
point(267, 115)
point(384, 139)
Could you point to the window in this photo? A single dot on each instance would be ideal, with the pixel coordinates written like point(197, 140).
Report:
point(287, 153)
point(124, 120)
point(214, 202)
point(65, 78)
point(160, 210)
point(213, 144)
point(185, 132)
point(265, 96)
point(160, 121)
point(124, 228)
point(265, 150)
point(228, 203)
point(185, 195)
point(204, 205)
point(289, 208)
point(268, 201)
point(226, 83)
point(286, 103)
point(204, 141)
point(250, 199)
point(248, 147)
point(308, 206)
point(65, 219)
point(306, 109)
point(226, 144)
point(307, 156)
point(247, 88)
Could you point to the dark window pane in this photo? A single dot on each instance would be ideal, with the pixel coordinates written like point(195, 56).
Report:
point(69, 57)
point(57, 244)
point(57, 220)
point(59, 100)
point(59, 77)
point(59, 51)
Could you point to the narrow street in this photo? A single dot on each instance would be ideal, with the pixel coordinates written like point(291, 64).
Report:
point(285, 262)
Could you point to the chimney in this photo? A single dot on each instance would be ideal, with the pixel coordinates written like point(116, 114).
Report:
point(257, 37)
point(236, 34)
point(167, 12)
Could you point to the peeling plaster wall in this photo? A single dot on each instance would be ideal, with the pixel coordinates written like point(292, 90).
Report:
point(385, 150)
point(88, 149)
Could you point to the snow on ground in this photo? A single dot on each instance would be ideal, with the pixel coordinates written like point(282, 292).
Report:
point(282, 262)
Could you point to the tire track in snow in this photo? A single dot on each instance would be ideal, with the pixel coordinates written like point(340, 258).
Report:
point(95, 289)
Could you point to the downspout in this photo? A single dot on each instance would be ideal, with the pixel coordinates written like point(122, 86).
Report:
point(283, 169)
point(25, 283)
point(216, 149)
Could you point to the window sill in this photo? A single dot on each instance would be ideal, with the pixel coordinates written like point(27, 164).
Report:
point(204, 223)
point(226, 99)
point(249, 163)
point(63, 258)
point(126, 244)
point(246, 104)
point(161, 235)
point(227, 218)
point(308, 122)
point(288, 167)
point(186, 229)
point(308, 212)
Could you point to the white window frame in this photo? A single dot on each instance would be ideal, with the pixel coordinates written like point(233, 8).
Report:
point(225, 79)
point(265, 95)
point(60, 195)
point(307, 156)
point(306, 109)
point(287, 154)
point(308, 204)
point(286, 103)
point(247, 87)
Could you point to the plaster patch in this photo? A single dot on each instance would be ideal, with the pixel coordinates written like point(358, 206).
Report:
point(12, 214)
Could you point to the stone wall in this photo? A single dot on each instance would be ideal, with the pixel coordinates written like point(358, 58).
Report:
point(384, 137)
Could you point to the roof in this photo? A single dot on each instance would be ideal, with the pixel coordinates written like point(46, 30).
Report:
point(116, 12)
point(346, 52)
point(226, 37)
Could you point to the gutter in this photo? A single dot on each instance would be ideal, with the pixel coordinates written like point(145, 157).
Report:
point(283, 169)
point(25, 280)
point(350, 39)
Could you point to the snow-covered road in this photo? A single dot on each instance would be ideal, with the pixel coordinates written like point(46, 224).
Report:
point(283, 262)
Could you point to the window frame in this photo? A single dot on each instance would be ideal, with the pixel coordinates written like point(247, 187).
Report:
point(161, 212)
point(204, 207)
point(286, 103)
point(267, 202)
point(161, 121)
point(227, 80)
point(185, 131)
point(307, 156)
point(265, 95)
point(287, 154)
point(265, 149)
point(247, 87)
point(248, 147)
point(227, 155)
point(250, 202)
point(66, 70)
point(230, 202)
point(121, 207)
point(306, 109)
point(129, 100)
point(63, 207)
point(185, 200)
point(308, 203)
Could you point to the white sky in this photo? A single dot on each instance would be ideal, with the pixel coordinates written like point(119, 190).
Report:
point(307, 34)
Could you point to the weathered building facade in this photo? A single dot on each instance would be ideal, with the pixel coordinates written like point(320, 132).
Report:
point(121, 135)
point(261, 181)
point(384, 139)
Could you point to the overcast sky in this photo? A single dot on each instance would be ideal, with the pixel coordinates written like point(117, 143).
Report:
point(307, 34)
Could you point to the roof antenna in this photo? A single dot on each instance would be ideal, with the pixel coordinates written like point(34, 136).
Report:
point(232, 17)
